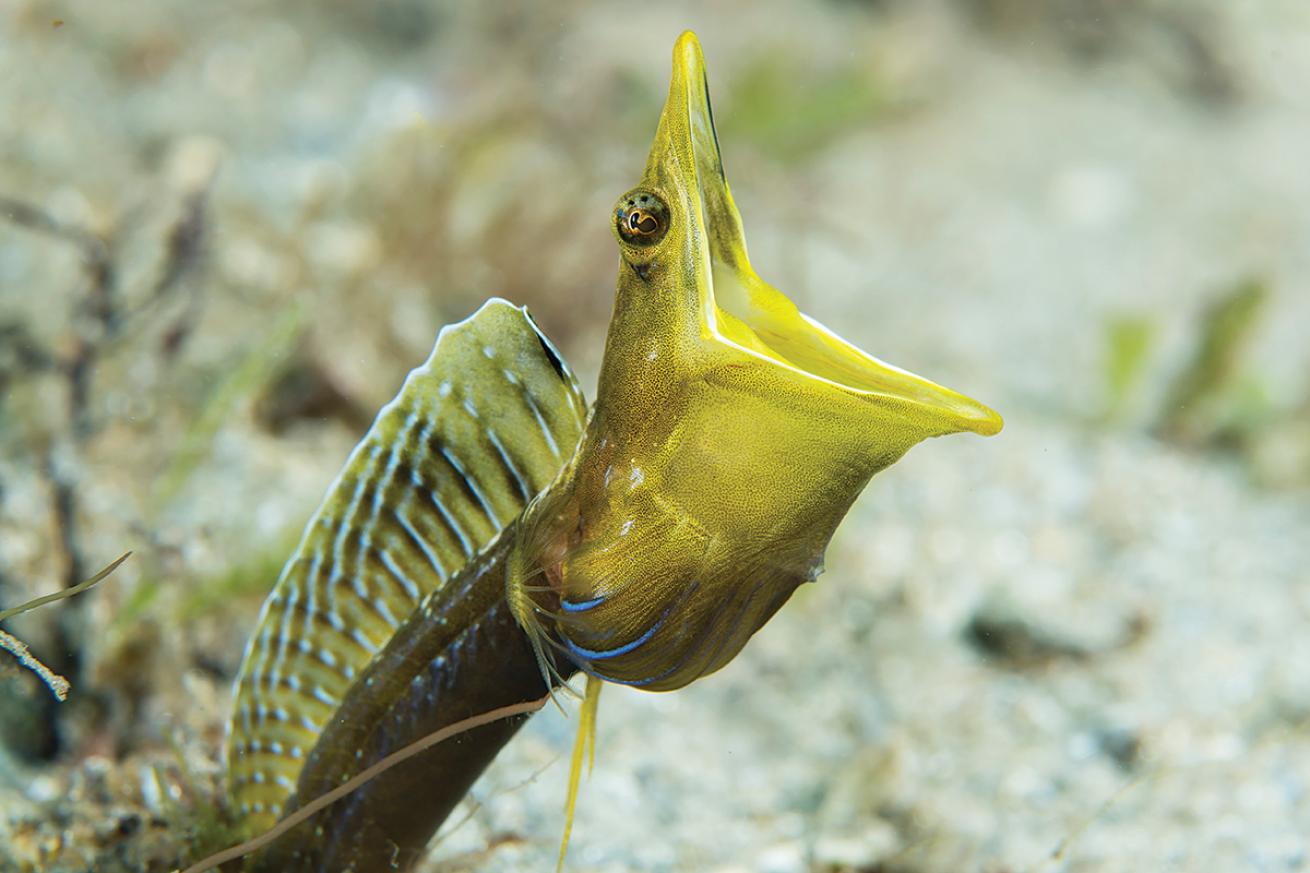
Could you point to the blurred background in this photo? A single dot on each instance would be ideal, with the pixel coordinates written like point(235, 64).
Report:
point(228, 230)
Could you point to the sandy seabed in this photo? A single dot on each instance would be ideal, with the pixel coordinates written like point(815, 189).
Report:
point(1078, 646)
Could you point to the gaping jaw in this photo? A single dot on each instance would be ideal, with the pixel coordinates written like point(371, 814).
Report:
point(729, 437)
point(727, 301)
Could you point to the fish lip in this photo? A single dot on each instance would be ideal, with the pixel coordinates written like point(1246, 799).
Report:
point(736, 308)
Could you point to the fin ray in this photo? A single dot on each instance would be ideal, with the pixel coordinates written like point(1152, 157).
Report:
point(474, 433)
point(584, 748)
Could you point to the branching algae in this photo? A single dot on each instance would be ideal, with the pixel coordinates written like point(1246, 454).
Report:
point(491, 530)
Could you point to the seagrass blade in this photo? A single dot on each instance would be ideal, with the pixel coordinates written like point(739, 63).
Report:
point(476, 432)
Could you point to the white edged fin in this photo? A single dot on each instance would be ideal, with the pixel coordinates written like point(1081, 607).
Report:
point(476, 432)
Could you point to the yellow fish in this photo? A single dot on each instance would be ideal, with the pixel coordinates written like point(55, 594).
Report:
point(491, 529)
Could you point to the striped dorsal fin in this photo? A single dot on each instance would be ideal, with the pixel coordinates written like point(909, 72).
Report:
point(476, 432)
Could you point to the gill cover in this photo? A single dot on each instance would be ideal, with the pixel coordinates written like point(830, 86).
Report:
point(729, 437)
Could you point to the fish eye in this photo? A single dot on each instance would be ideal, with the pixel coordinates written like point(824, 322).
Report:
point(641, 218)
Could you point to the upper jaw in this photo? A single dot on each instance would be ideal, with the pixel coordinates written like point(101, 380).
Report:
point(736, 308)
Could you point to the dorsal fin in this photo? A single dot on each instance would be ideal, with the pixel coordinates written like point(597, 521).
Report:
point(476, 432)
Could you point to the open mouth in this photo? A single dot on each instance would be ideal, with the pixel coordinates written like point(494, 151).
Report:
point(740, 309)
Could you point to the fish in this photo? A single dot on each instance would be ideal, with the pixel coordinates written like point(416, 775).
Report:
point(493, 535)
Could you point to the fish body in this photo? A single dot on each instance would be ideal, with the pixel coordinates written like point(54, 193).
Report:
point(492, 535)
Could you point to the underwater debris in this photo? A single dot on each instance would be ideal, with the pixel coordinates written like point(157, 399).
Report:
point(303, 390)
point(1129, 340)
point(104, 317)
point(1008, 637)
point(58, 685)
point(1194, 409)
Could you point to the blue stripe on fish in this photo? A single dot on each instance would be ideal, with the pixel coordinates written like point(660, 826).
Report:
point(594, 655)
point(583, 606)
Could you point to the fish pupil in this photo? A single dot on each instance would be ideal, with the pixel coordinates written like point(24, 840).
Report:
point(642, 222)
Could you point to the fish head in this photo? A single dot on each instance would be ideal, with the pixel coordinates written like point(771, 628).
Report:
point(730, 434)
